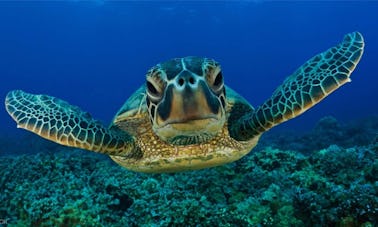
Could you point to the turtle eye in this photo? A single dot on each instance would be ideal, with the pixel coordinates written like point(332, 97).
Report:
point(218, 81)
point(155, 84)
point(154, 89)
point(151, 89)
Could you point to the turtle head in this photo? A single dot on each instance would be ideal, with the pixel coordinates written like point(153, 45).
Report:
point(186, 100)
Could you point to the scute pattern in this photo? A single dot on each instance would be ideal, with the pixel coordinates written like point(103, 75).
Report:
point(171, 68)
point(192, 63)
point(57, 120)
point(312, 82)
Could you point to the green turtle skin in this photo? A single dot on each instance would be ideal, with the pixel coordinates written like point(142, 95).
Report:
point(185, 117)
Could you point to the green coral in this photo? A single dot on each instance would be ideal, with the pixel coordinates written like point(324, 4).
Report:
point(270, 187)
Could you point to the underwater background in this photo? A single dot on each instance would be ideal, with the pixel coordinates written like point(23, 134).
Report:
point(320, 169)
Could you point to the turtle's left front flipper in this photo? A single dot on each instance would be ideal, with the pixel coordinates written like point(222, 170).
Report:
point(312, 82)
point(58, 121)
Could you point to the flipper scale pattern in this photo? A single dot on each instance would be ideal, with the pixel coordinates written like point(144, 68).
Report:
point(57, 120)
point(312, 82)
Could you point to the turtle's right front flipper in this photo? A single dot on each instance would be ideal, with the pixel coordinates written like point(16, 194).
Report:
point(58, 121)
point(312, 82)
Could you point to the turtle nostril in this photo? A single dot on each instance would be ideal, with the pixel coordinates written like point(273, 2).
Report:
point(191, 80)
point(181, 81)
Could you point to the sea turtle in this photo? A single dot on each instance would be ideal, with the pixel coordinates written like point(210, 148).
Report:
point(184, 117)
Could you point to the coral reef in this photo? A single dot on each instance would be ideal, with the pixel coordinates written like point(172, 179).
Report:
point(334, 186)
point(327, 131)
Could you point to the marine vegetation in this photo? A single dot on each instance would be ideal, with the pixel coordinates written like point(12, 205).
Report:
point(333, 186)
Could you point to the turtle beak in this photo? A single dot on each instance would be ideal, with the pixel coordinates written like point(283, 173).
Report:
point(188, 104)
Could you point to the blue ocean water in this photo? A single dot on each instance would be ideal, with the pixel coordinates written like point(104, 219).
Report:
point(95, 54)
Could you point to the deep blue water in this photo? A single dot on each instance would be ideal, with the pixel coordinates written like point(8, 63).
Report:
point(95, 54)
